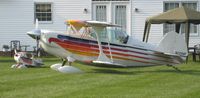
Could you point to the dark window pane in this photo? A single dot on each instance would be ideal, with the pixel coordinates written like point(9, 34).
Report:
point(48, 18)
point(39, 19)
point(43, 12)
point(49, 14)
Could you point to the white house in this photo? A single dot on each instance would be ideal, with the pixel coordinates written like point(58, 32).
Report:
point(18, 16)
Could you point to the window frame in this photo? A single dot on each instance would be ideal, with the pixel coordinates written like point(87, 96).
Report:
point(95, 14)
point(180, 3)
point(44, 22)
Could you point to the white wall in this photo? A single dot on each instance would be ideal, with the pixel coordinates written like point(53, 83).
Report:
point(17, 17)
point(147, 8)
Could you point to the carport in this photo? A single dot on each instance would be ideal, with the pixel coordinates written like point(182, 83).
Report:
point(175, 16)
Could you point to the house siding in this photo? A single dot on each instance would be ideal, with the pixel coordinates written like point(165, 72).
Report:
point(146, 8)
point(17, 17)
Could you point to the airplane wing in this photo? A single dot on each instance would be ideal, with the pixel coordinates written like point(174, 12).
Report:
point(101, 24)
point(107, 63)
point(77, 24)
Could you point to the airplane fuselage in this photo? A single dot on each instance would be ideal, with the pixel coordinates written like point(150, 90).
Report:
point(132, 53)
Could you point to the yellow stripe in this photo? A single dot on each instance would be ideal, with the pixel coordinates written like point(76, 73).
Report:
point(83, 53)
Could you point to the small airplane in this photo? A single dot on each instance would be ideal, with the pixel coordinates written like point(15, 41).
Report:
point(25, 59)
point(105, 44)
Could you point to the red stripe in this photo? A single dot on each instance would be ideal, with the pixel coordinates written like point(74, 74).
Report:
point(26, 60)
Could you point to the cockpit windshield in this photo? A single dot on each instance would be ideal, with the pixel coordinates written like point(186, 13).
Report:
point(114, 35)
point(107, 34)
point(117, 35)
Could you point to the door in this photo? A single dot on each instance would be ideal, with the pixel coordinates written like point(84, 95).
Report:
point(116, 12)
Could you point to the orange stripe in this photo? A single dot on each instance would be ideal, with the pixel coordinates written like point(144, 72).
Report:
point(77, 47)
point(82, 53)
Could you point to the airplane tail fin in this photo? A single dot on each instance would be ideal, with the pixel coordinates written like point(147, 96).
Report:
point(174, 44)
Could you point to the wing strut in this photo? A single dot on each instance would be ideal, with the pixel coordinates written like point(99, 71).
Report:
point(102, 58)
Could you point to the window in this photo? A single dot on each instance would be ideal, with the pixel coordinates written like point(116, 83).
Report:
point(120, 16)
point(101, 13)
point(171, 27)
point(43, 12)
point(193, 28)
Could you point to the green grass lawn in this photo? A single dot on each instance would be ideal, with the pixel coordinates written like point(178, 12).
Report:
point(142, 82)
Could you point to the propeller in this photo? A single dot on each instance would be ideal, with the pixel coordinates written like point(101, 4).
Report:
point(35, 34)
point(38, 31)
point(38, 48)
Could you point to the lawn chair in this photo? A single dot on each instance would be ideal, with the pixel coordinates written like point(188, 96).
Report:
point(195, 52)
point(14, 45)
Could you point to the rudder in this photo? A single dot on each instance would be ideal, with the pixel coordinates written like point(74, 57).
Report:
point(174, 44)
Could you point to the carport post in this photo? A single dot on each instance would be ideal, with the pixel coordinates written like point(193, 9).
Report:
point(187, 33)
point(148, 30)
point(145, 29)
point(178, 25)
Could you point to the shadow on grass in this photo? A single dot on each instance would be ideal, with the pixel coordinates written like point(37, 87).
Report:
point(39, 67)
point(189, 72)
point(51, 60)
point(113, 71)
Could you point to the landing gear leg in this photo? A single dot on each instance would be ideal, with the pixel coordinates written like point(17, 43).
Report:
point(64, 62)
point(176, 68)
point(70, 60)
point(69, 63)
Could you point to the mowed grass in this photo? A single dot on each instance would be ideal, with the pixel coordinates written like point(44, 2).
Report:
point(95, 82)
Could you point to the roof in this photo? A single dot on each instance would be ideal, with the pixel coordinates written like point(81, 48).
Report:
point(177, 15)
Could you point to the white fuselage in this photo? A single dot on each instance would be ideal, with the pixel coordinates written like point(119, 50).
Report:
point(132, 53)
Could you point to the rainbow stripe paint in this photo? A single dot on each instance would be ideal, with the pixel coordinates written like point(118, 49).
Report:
point(89, 48)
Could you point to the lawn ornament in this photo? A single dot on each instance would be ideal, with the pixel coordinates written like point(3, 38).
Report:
point(25, 60)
